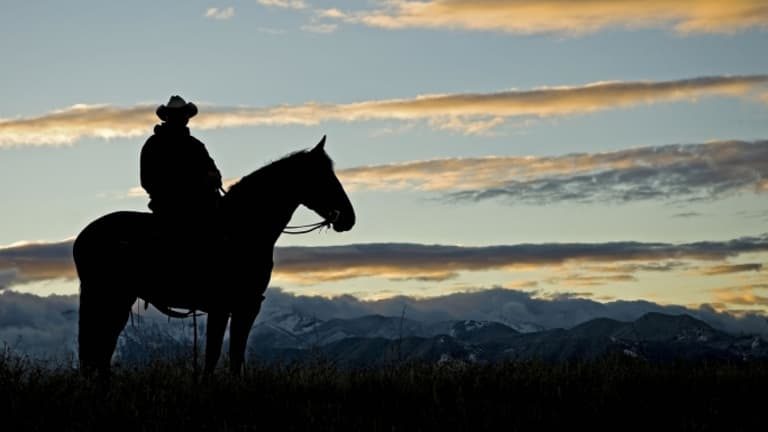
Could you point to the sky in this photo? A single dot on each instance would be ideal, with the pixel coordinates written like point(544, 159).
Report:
point(609, 151)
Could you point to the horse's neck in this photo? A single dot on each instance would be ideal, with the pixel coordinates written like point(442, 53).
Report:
point(275, 215)
point(260, 216)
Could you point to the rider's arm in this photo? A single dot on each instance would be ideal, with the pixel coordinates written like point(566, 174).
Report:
point(214, 175)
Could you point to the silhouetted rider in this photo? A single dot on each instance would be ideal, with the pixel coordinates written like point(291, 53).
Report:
point(176, 170)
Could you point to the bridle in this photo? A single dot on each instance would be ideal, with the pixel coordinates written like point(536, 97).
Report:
point(303, 229)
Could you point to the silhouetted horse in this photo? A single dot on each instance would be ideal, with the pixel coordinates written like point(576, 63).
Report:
point(125, 255)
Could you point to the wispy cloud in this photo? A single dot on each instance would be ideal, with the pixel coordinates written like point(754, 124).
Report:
point(286, 4)
point(562, 17)
point(467, 112)
point(731, 268)
point(690, 172)
point(320, 28)
point(407, 261)
point(630, 268)
point(686, 215)
point(270, 31)
point(220, 14)
point(590, 280)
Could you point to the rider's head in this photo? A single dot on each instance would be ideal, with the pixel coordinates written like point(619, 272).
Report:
point(177, 111)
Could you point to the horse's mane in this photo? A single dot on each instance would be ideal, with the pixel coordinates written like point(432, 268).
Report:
point(294, 161)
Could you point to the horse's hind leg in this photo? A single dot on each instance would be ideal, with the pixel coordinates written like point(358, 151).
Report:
point(216, 326)
point(102, 318)
point(239, 329)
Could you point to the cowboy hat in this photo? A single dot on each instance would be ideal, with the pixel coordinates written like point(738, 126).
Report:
point(176, 105)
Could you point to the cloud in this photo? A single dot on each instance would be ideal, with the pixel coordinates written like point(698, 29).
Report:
point(270, 31)
point(408, 261)
point(693, 176)
point(753, 214)
point(220, 14)
point(689, 172)
point(660, 267)
point(46, 327)
point(286, 4)
point(521, 284)
point(8, 276)
point(76, 122)
point(466, 112)
point(731, 268)
point(320, 28)
point(562, 17)
point(38, 326)
point(686, 215)
point(35, 261)
point(588, 280)
point(399, 261)
point(744, 295)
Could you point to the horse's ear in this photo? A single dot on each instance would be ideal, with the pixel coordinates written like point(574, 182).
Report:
point(320, 146)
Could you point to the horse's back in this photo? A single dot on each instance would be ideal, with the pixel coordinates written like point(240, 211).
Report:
point(121, 223)
point(100, 240)
point(131, 249)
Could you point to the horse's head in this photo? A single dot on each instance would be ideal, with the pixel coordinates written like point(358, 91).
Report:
point(322, 192)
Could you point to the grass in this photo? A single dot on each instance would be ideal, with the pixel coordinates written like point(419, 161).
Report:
point(612, 393)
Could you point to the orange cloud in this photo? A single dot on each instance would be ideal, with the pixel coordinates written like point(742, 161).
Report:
point(471, 113)
point(563, 16)
point(742, 295)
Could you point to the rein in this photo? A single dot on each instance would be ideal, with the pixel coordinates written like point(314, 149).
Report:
point(297, 229)
point(303, 229)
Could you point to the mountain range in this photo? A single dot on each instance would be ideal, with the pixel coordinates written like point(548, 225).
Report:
point(379, 340)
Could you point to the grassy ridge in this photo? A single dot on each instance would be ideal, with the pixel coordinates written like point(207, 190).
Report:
point(612, 393)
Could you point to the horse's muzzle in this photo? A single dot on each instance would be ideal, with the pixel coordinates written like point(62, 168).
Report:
point(344, 221)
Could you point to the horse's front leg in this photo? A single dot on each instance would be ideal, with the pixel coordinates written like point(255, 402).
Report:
point(216, 326)
point(239, 328)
